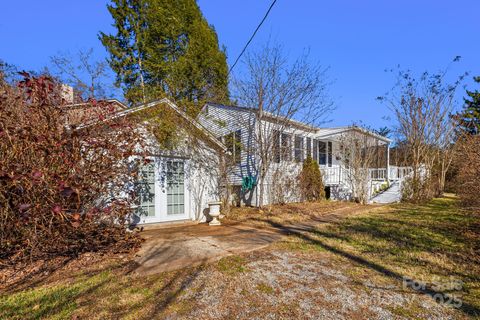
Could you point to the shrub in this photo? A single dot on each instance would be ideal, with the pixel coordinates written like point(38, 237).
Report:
point(311, 182)
point(468, 170)
point(59, 183)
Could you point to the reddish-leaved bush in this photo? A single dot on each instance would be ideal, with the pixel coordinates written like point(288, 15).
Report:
point(64, 172)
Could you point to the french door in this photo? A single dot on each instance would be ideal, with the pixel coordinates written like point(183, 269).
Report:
point(162, 195)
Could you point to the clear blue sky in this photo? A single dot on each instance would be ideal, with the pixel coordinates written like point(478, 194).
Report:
point(357, 39)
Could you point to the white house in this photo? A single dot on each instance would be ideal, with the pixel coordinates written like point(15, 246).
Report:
point(290, 142)
point(177, 185)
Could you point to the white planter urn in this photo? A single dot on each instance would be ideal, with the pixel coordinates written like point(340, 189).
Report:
point(214, 212)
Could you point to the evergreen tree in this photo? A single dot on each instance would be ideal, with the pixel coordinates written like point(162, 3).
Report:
point(469, 118)
point(127, 47)
point(170, 46)
point(311, 182)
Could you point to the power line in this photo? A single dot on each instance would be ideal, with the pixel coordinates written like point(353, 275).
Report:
point(253, 35)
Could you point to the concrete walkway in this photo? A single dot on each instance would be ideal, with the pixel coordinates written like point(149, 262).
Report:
point(172, 248)
point(167, 249)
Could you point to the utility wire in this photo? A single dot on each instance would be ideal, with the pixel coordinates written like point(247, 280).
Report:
point(253, 35)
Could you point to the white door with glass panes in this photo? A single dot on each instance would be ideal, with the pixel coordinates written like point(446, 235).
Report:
point(162, 194)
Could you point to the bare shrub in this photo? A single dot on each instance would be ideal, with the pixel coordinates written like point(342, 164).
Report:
point(467, 161)
point(422, 107)
point(62, 187)
point(359, 153)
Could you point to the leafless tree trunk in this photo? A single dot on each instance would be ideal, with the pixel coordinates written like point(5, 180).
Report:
point(279, 92)
point(358, 152)
point(422, 108)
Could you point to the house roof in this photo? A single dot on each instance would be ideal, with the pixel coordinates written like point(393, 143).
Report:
point(117, 103)
point(266, 114)
point(322, 132)
point(328, 132)
point(180, 112)
point(81, 115)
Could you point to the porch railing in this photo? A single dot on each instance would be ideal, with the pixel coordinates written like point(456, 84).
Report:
point(378, 173)
point(331, 175)
point(337, 175)
point(398, 173)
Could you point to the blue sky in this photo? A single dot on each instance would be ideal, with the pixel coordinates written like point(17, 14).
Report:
point(358, 40)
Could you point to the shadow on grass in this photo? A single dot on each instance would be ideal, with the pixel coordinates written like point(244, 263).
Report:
point(110, 292)
point(305, 233)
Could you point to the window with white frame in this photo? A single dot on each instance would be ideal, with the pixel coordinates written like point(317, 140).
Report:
point(145, 188)
point(298, 148)
point(175, 187)
point(309, 147)
point(276, 146)
point(286, 147)
point(233, 141)
point(322, 153)
point(330, 153)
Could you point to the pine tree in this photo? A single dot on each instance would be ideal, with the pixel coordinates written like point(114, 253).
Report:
point(469, 118)
point(176, 55)
point(127, 47)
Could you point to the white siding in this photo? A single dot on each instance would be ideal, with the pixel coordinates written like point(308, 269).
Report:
point(222, 120)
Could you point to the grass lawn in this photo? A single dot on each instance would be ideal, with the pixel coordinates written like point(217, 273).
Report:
point(331, 270)
point(437, 245)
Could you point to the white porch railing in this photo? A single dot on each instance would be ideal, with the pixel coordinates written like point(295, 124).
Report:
point(331, 176)
point(378, 173)
point(337, 175)
point(398, 173)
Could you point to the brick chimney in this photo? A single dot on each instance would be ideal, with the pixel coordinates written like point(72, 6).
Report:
point(67, 93)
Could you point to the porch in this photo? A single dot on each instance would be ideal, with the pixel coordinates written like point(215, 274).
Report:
point(338, 175)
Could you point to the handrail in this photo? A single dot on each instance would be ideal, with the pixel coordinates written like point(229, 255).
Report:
point(399, 173)
point(338, 174)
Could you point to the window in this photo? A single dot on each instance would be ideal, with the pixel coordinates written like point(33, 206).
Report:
point(145, 188)
point(322, 153)
point(309, 147)
point(276, 146)
point(330, 154)
point(233, 141)
point(286, 146)
point(298, 148)
point(315, 150)
point(175, 188)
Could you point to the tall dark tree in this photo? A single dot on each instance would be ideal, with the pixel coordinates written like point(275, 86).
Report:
point(127, 46)
point(166, 48)
point(469, 117)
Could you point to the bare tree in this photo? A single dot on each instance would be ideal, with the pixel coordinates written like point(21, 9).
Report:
point(89, 77)
point(359, 153)
point(280, 93)
point(422, 108)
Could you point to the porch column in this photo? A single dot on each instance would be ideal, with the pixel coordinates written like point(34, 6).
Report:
point(388, 161)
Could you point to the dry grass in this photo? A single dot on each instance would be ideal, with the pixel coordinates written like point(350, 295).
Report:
point(288, 213)
point(349, 268)
point(437, 244)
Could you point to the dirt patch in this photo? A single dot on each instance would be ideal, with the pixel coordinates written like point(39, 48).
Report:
point(304, 285)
